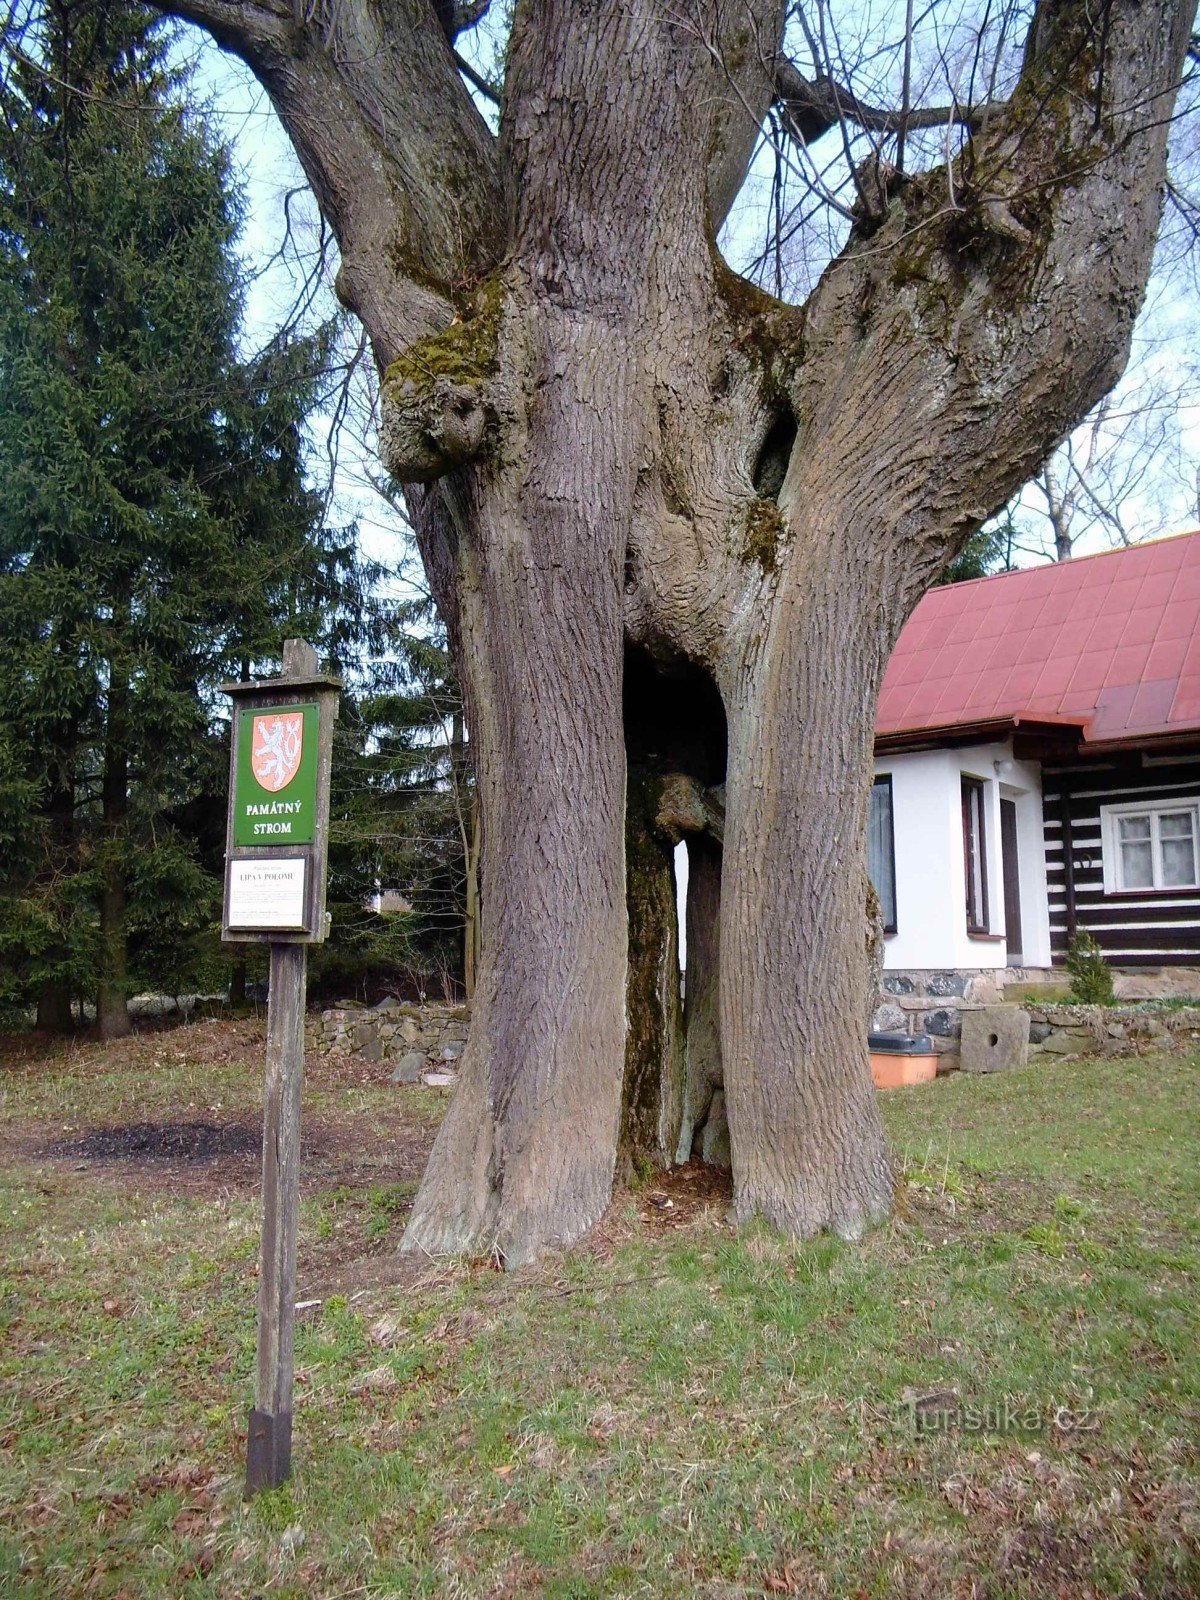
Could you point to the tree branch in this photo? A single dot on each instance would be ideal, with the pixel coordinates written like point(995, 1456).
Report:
point(403, 166)
point(996, 293)
point(811, 106)
point(458, 16)
point(476, 79)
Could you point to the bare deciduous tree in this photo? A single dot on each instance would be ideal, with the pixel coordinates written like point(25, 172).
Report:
point(629, 466)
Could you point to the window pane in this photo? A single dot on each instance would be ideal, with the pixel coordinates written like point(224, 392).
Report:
point(1178, 863)
point(879, 850)
point(1175, 824)
point(973, 848)
point(1135, 828)
point(1137, 866)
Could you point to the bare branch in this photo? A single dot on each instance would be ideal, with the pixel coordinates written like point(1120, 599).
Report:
point(812, 106)
point(476, 79)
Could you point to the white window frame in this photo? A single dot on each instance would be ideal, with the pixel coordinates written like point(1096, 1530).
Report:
point(982, 929)
point(1110, 817)
point(884, 780)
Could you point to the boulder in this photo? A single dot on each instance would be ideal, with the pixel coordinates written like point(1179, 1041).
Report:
point(408, 1069)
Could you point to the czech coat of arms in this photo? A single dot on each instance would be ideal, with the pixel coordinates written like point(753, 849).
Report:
point(275, 748)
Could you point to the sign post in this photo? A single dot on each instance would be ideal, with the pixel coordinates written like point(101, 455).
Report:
point(275, 861)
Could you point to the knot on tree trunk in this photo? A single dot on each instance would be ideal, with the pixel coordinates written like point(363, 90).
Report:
point(436, 398)
point(427, 430)
point(876, 180)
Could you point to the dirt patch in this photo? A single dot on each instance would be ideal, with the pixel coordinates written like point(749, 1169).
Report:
point(677, 1199)
point(190, 1142)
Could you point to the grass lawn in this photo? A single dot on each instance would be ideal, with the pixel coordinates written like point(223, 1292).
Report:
point(997, 1394)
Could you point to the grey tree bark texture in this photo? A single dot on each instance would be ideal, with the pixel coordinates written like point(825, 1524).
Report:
point(622, 458)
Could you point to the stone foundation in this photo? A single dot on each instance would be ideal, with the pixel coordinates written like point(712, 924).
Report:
point(932, 1002)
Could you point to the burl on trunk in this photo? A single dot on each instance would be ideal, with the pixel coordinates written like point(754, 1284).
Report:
point(675, 527)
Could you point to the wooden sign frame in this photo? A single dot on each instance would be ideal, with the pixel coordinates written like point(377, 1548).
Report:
point(301, 684)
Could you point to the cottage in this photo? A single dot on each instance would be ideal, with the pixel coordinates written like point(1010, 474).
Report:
point(1037, 761)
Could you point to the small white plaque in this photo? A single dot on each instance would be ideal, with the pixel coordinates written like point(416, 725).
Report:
point(267, 893)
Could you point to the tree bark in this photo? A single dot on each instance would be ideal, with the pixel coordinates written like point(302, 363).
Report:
point(622, 446)
point(652, 1097)
point(808, 1148)
point(471, 925)
point(706, 1129)
point(525, 1156)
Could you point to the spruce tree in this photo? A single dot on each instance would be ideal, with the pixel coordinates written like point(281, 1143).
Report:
point(157, 532)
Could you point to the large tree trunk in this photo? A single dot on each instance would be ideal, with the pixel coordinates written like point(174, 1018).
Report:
point(525, 1157)
point(808, 1148)
point(634, 465)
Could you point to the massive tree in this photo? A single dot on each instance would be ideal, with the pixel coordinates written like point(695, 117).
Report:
point(629, 467)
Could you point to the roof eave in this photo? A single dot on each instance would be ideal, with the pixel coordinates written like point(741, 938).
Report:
point(1065, 732)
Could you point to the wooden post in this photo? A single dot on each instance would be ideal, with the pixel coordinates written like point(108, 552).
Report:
point(269, 1447)
point(290, 862)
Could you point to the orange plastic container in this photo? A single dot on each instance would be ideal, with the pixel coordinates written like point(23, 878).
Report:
point(900, 1059)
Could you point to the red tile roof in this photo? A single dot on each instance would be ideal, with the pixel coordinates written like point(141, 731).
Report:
point(1111, 642)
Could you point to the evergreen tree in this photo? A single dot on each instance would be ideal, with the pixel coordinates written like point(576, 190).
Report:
point(401, 817)
point(987, 551)
point(156, 534)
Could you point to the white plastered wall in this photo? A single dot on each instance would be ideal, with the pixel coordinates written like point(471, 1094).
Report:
point(931, 921)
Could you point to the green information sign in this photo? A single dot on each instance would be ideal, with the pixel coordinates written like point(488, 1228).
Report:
point(275, 790)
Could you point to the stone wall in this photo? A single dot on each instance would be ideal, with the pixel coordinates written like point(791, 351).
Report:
point(423, 1043)
point(419, 1042)
point(1107, 1030)
point(930, 1001)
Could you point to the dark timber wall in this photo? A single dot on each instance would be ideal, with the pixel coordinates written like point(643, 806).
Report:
point(1138, 929)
